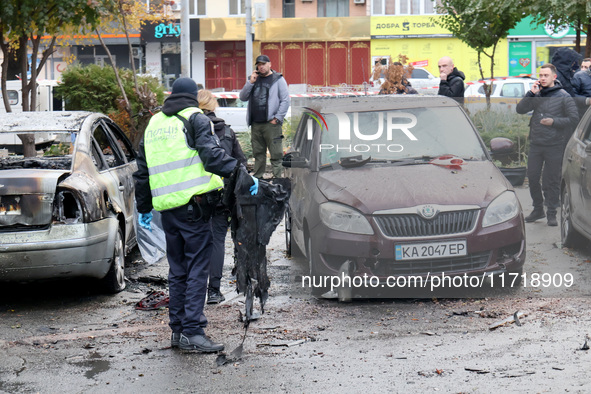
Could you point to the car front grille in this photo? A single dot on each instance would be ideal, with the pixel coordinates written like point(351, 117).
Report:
point(475, 261)
point(412, 225)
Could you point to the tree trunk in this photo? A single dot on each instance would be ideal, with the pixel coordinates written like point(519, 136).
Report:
point(5, 61)
point(24, 64)
point(588, 39)
point(28, 145)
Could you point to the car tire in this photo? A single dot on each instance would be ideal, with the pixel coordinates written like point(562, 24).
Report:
point(288, 244)
point(114, 281)
point(569, 236)
point(313, 261)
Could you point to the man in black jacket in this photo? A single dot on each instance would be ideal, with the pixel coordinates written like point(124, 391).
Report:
point(553, 121)
point(180, 163)
point(451, 80)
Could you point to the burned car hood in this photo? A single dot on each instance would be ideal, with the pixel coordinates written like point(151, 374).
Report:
point(372, 188)
point(26, 196)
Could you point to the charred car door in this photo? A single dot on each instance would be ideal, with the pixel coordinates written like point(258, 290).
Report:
point(116, 160)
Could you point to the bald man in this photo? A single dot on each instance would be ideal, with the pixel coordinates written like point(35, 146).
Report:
point(452, 80)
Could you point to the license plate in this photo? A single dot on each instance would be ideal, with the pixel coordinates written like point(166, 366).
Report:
point(431, 250)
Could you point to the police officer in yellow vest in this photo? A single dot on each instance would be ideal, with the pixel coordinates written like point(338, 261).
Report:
point(180, 163)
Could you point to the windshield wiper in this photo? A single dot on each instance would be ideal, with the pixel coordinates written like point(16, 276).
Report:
point(354, 161)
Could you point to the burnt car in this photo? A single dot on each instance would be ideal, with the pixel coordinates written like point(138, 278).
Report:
point(66, 197)
point(402, 186)
point(575, 223)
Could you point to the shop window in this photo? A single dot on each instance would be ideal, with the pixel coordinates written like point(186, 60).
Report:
point(333, 8)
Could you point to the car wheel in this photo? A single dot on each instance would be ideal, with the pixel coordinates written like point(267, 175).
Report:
point(569, 236)
point(114, 281)
point(288, 233)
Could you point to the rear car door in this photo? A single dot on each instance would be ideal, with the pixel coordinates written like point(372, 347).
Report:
point(118, 164)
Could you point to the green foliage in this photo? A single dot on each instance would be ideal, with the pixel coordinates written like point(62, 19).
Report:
point(94, 88)
point(290, 126)
point(480, 24)
point(575, 13)
point(245, 144)
point(508, 124)
point(60, 149)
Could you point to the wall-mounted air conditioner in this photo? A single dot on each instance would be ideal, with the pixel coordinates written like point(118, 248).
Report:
point(359, 1)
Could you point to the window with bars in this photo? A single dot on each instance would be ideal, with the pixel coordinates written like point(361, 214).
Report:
point(404, 7)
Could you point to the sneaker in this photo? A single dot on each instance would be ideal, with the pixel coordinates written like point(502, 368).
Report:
point(215, 296)
point(175, 338)
point(535, 215)
point(201, 343)
point(552, 220)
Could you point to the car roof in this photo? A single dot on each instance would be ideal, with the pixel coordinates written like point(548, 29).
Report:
point(43, 121)
point(373, 103)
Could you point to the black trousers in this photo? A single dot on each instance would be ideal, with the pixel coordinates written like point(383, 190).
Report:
point(219, 227)
point(188, 248)
point(545, 163)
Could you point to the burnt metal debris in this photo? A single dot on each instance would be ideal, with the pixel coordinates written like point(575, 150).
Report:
point(254, 218)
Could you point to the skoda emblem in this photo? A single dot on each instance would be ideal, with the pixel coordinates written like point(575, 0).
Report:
point(428, 211)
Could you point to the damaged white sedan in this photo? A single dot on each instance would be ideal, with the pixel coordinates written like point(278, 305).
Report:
point(66, 197)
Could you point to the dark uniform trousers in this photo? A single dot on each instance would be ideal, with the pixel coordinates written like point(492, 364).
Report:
point(188, 248)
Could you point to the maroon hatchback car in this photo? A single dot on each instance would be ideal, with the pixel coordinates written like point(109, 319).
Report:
point(393, 187)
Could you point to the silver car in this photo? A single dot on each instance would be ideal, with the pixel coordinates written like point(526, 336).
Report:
point(576, 187)
point(66, 197)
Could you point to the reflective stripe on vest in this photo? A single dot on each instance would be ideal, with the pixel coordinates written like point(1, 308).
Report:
point(176, 172)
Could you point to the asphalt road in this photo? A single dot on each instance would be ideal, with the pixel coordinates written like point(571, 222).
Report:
point(68, 338)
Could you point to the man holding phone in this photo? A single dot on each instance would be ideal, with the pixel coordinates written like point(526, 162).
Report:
point(553, 120)
point(268, 101)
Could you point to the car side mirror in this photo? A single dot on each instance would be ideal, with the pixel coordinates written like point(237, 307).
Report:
point(501, 146)
point(294, 160)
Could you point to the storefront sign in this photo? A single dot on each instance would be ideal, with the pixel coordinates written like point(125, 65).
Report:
point(168, 31)
point(411, 26)
point(520, 56)
point(527, 28)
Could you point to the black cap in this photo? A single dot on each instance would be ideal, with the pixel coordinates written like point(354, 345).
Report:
point(263, 59)
point(185, 85)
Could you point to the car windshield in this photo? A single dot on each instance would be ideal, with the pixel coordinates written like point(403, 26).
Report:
point(399, 135)
point(49, 150)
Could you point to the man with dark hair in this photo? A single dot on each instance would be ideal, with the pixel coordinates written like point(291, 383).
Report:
point(451, 80)
point(582, 86)
point(268, 101)
point(180, 163)
point(554, 118)
point(582, 79)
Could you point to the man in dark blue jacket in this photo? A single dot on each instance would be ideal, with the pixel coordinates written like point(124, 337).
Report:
point(553, 121)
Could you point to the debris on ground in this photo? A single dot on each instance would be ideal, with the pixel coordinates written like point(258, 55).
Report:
point(513, 319)
point(154, 300)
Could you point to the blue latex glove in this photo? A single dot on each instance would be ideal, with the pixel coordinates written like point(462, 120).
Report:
point(145, 219)
point(254, 189)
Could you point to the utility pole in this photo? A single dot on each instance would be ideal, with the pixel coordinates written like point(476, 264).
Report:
point(248, 11)
point(185, 40)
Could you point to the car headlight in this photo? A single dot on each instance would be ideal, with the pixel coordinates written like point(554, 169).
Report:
point(503, 208)
point(343, 218)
